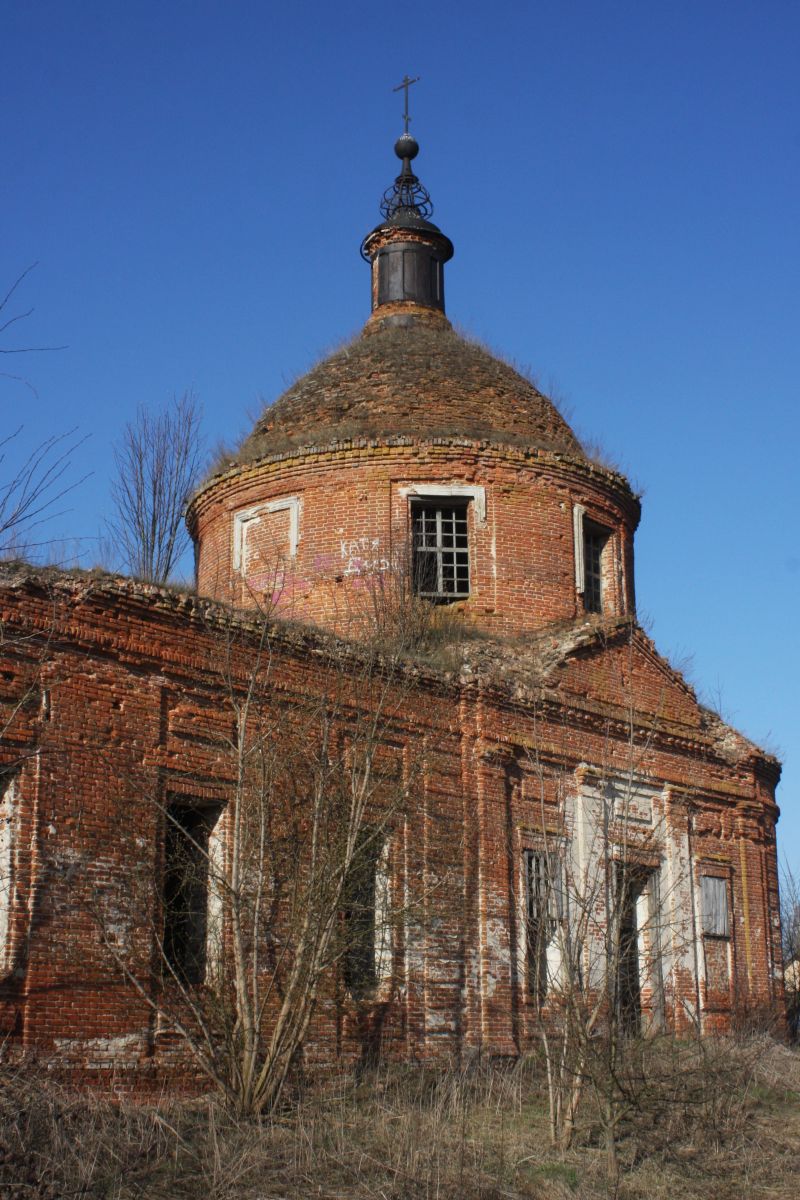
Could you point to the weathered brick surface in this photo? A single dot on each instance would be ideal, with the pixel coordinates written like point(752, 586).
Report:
point(353, 526)
point(418, 380)
point(542, 730)
point(111, 694)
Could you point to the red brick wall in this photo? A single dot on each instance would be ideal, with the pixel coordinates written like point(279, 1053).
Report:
point(113, 697)
point(354, 531)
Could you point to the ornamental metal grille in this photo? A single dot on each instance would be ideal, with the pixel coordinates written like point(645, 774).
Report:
point(594, 541)
point(440, 551)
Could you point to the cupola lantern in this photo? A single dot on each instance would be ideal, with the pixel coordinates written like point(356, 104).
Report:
point(407, 251)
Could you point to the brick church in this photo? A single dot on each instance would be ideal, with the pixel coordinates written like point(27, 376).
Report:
point(418, 591)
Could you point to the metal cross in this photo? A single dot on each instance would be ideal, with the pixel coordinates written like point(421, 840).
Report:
point(403, 87)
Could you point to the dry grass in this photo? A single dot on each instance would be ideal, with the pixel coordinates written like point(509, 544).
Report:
point(720, 1120)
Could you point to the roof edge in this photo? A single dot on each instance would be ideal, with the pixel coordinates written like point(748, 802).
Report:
point(520, 449)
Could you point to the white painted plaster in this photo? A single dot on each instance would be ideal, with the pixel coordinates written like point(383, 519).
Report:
point(248, 518)
point(113, 1048)
point(578, 511)
point(9, 803)
point(476, 493)
point(383, 917)
point(215, 899)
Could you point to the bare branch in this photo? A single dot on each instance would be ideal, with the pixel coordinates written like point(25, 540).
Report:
point(16, 284)
point(30, 497)
point(9, 321)
point(158, 461)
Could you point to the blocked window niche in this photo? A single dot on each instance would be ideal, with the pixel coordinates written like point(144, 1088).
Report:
point(265, 537)
point(366, 925)
point(191, 889)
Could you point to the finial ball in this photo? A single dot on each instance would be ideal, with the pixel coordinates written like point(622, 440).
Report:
point(406, 146)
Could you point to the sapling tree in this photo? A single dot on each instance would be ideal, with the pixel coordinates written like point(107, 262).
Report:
point(279, 879)
point(157, 463)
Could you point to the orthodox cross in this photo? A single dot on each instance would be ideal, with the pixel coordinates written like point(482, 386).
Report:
point(403, 87)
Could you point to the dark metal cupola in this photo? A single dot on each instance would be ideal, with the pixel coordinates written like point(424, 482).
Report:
point(407, 251)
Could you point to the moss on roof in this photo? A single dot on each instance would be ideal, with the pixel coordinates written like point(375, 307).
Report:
point(413, 379)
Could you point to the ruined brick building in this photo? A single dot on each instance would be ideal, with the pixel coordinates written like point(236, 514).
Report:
point(548, 757)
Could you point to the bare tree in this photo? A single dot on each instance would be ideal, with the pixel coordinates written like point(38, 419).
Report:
point(279, 881)
point(41, 481)
point(610, 909)
point(33, 493)
point(598, 923)
point(6, 322)
point(158, 461)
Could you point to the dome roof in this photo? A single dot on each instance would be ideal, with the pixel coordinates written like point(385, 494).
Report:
point(414, 377)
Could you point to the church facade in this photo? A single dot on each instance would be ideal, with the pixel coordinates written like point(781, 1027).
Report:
point(437, 587)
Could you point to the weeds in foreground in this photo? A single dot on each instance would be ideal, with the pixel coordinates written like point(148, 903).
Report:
point(414, 1133)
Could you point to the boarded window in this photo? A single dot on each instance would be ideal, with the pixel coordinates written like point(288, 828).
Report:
point(187, 872)
point(714, 900)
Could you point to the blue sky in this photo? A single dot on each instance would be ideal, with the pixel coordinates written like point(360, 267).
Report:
point(621, 184)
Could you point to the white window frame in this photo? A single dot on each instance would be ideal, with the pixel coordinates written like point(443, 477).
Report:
point(579, 519)
point(244, 520)
point(444, 491)
point(578, 512)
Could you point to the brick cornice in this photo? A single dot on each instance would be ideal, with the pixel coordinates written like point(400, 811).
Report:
point(110, 615)
point(561, 467)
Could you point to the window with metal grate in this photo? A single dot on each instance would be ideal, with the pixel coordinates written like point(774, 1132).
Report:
point(440, 551)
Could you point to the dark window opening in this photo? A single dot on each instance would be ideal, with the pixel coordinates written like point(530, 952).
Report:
point(186, 883)
point(595, 540)
point(359, 960)
point(543, 903)
point(630, 885)
point(440, 551)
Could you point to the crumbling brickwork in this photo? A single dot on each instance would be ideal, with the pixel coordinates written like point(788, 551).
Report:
point(411, 543)
point(352, 503)
point(110, 699)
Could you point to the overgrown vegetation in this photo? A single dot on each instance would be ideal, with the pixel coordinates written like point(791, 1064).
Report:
point(498, 401)
point(717, 1119)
